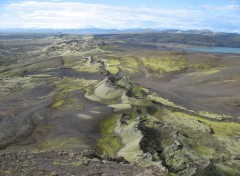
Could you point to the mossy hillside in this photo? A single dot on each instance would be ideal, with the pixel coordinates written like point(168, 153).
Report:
point(227, 129)
point(124, 63)
point(131, 138)
point(206, 72)
point(129, 64)
point(138, 91)
point(210, 115)
point(63, 90)
point(106, 92)
point(109, 143)
point(181, 121)
point(224, 140)
point(6, 172)
point(80, 66)
point(164, 101)
point(8, 85)
point(212, 140)
point(210, 72)
point(18, 83)
point(31, 66)
point(223, 170)
point(214, 115)
point(112, 65)
point(143, 102)
point(162, 65)
point(201, 65)
point(206, 152)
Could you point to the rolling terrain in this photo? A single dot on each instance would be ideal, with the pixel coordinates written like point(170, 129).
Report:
point(125, 104)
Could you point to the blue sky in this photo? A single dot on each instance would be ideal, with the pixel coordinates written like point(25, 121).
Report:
point(216, 15)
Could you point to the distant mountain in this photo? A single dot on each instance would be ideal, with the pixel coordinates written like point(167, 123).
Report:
point(194, 31)
point(108, 31)
point(78, 31)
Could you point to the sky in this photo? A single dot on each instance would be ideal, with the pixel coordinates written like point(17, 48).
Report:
point(215, 15)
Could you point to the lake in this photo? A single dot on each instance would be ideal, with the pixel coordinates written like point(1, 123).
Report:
point(225, 50)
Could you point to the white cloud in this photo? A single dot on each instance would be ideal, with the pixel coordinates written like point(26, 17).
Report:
point(56, 14)
point(230, 7)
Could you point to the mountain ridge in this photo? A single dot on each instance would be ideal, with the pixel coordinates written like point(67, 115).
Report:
point(111, 31)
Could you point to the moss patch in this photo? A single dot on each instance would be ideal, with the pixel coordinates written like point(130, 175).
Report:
point(162, 65)
point(206, 152)
point(66, 86)
point(230, 129)
point(67, 143)
point(129, 64)
point(109, 143)
point(112, 65)
point(74, 164)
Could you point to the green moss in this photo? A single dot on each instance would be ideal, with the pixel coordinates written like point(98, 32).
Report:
point(225, 132)
point(114, 61)
point(9, 85)
point(138, 91)
point(112, 65)
point(206, 152)
point(210, 72)
point(164, 101)
point(230, 129)
point(109, 143)
point(213, 115)
point(182, 122)
point(129, 64)
point(75, 164)
point(112, 69)
point(162, 65)
point(131, 136)
point(201, 66)
point(71, 84)
point(84, 67)
point(225, 170)
point(67, 143)
point(206, 72)
point(57, 104)
point(106, 92)
point(142, 103)
point(7, 172)
point(64, 87)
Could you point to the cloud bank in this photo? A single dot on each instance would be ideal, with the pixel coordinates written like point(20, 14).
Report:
point(63, 15)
